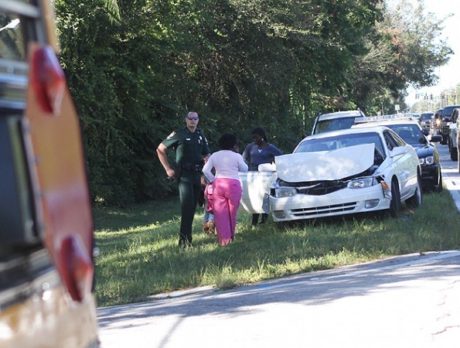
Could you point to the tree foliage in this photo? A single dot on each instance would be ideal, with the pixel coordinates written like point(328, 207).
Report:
point(405, 49)
point(135, 67)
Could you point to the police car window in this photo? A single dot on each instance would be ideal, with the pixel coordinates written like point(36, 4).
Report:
point(391, 140)
point(11, 37)
point(334, 124)
point(388, 141)
point(400, 141)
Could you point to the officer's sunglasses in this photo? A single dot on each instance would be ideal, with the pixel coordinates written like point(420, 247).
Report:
point(193, 118)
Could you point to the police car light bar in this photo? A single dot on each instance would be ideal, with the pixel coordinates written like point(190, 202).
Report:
point(386, 117)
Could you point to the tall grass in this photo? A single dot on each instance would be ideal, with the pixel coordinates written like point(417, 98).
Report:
point(139, 255)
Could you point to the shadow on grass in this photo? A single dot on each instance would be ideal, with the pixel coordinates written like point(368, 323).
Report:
point(158, 212)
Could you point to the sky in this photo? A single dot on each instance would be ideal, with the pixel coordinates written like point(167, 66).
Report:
point(449, 74)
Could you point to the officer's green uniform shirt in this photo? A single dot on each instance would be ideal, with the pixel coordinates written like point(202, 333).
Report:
point(190, 147)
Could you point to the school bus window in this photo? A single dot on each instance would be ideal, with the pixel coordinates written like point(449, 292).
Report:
point(11, 38)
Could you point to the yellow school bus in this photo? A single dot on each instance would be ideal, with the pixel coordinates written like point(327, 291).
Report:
point(46, 227)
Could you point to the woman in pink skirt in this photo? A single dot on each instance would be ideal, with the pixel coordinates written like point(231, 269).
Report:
point(226, 186)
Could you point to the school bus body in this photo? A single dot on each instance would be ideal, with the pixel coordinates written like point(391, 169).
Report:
point(46, 227)
point(49, 319)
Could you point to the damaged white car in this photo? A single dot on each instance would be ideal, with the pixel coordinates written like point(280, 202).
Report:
point(343, 172)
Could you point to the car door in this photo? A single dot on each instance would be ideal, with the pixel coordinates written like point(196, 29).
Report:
point(404, 164)
point(256, 190)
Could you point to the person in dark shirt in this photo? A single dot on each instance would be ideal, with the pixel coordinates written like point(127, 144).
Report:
point(258, 152)
point(192, 150)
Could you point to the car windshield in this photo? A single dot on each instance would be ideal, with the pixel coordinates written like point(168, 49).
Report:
point(447, 111)
point(334, 124)
point(410, 133)
point(426, 116)
point(340, 141)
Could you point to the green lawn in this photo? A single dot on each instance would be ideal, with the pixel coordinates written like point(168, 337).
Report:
point(139, 254)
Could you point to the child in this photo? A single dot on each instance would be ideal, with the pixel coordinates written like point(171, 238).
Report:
point(208, 219)
point(208, 226)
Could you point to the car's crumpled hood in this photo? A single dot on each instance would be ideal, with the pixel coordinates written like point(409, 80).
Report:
point(326, 165)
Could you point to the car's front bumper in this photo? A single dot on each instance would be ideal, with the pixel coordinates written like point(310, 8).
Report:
point(341, 202)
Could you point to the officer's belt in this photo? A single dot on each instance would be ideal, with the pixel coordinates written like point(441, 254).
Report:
point(192, 167)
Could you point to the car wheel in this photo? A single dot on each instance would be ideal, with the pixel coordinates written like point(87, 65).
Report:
point(395, 205)
point(454, 154)
point(452, 150)
point(437, 186)
point(417, 199)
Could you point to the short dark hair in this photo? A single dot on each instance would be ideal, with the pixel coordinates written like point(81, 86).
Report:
point(260, 132)
point(227, 141)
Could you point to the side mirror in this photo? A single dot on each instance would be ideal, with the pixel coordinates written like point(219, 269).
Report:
point(436, 138)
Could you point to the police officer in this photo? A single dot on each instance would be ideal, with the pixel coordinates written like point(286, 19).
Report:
point(191, 149)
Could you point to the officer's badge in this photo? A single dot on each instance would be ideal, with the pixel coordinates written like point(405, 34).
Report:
point(171, 135)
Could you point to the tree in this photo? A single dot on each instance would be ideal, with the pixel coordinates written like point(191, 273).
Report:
point(405, 49)
point(135, 68)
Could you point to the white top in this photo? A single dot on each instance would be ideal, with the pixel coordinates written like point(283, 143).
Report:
point(227, 164)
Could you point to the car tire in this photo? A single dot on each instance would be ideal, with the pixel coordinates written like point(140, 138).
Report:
point(437, 185)
point(452, 151)
point(454, 154)
point(395, 205)
point(417, 199)
point(443, 140)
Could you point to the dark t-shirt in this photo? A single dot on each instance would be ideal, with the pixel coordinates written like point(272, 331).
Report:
point(253, 155)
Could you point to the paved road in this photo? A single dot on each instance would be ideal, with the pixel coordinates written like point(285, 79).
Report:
point(406, 301)
point(409, 301)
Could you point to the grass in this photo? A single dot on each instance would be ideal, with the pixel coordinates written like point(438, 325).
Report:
point(139, 254)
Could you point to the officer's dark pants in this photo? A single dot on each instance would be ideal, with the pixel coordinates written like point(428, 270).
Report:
point(189, 191)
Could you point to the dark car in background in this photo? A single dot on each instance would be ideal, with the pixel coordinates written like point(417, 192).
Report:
point(427, 153)
point(436, 124)
point(458, 141)
point(425, 120)
point(410, 131)
point(453, 135)
point(445, 117)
